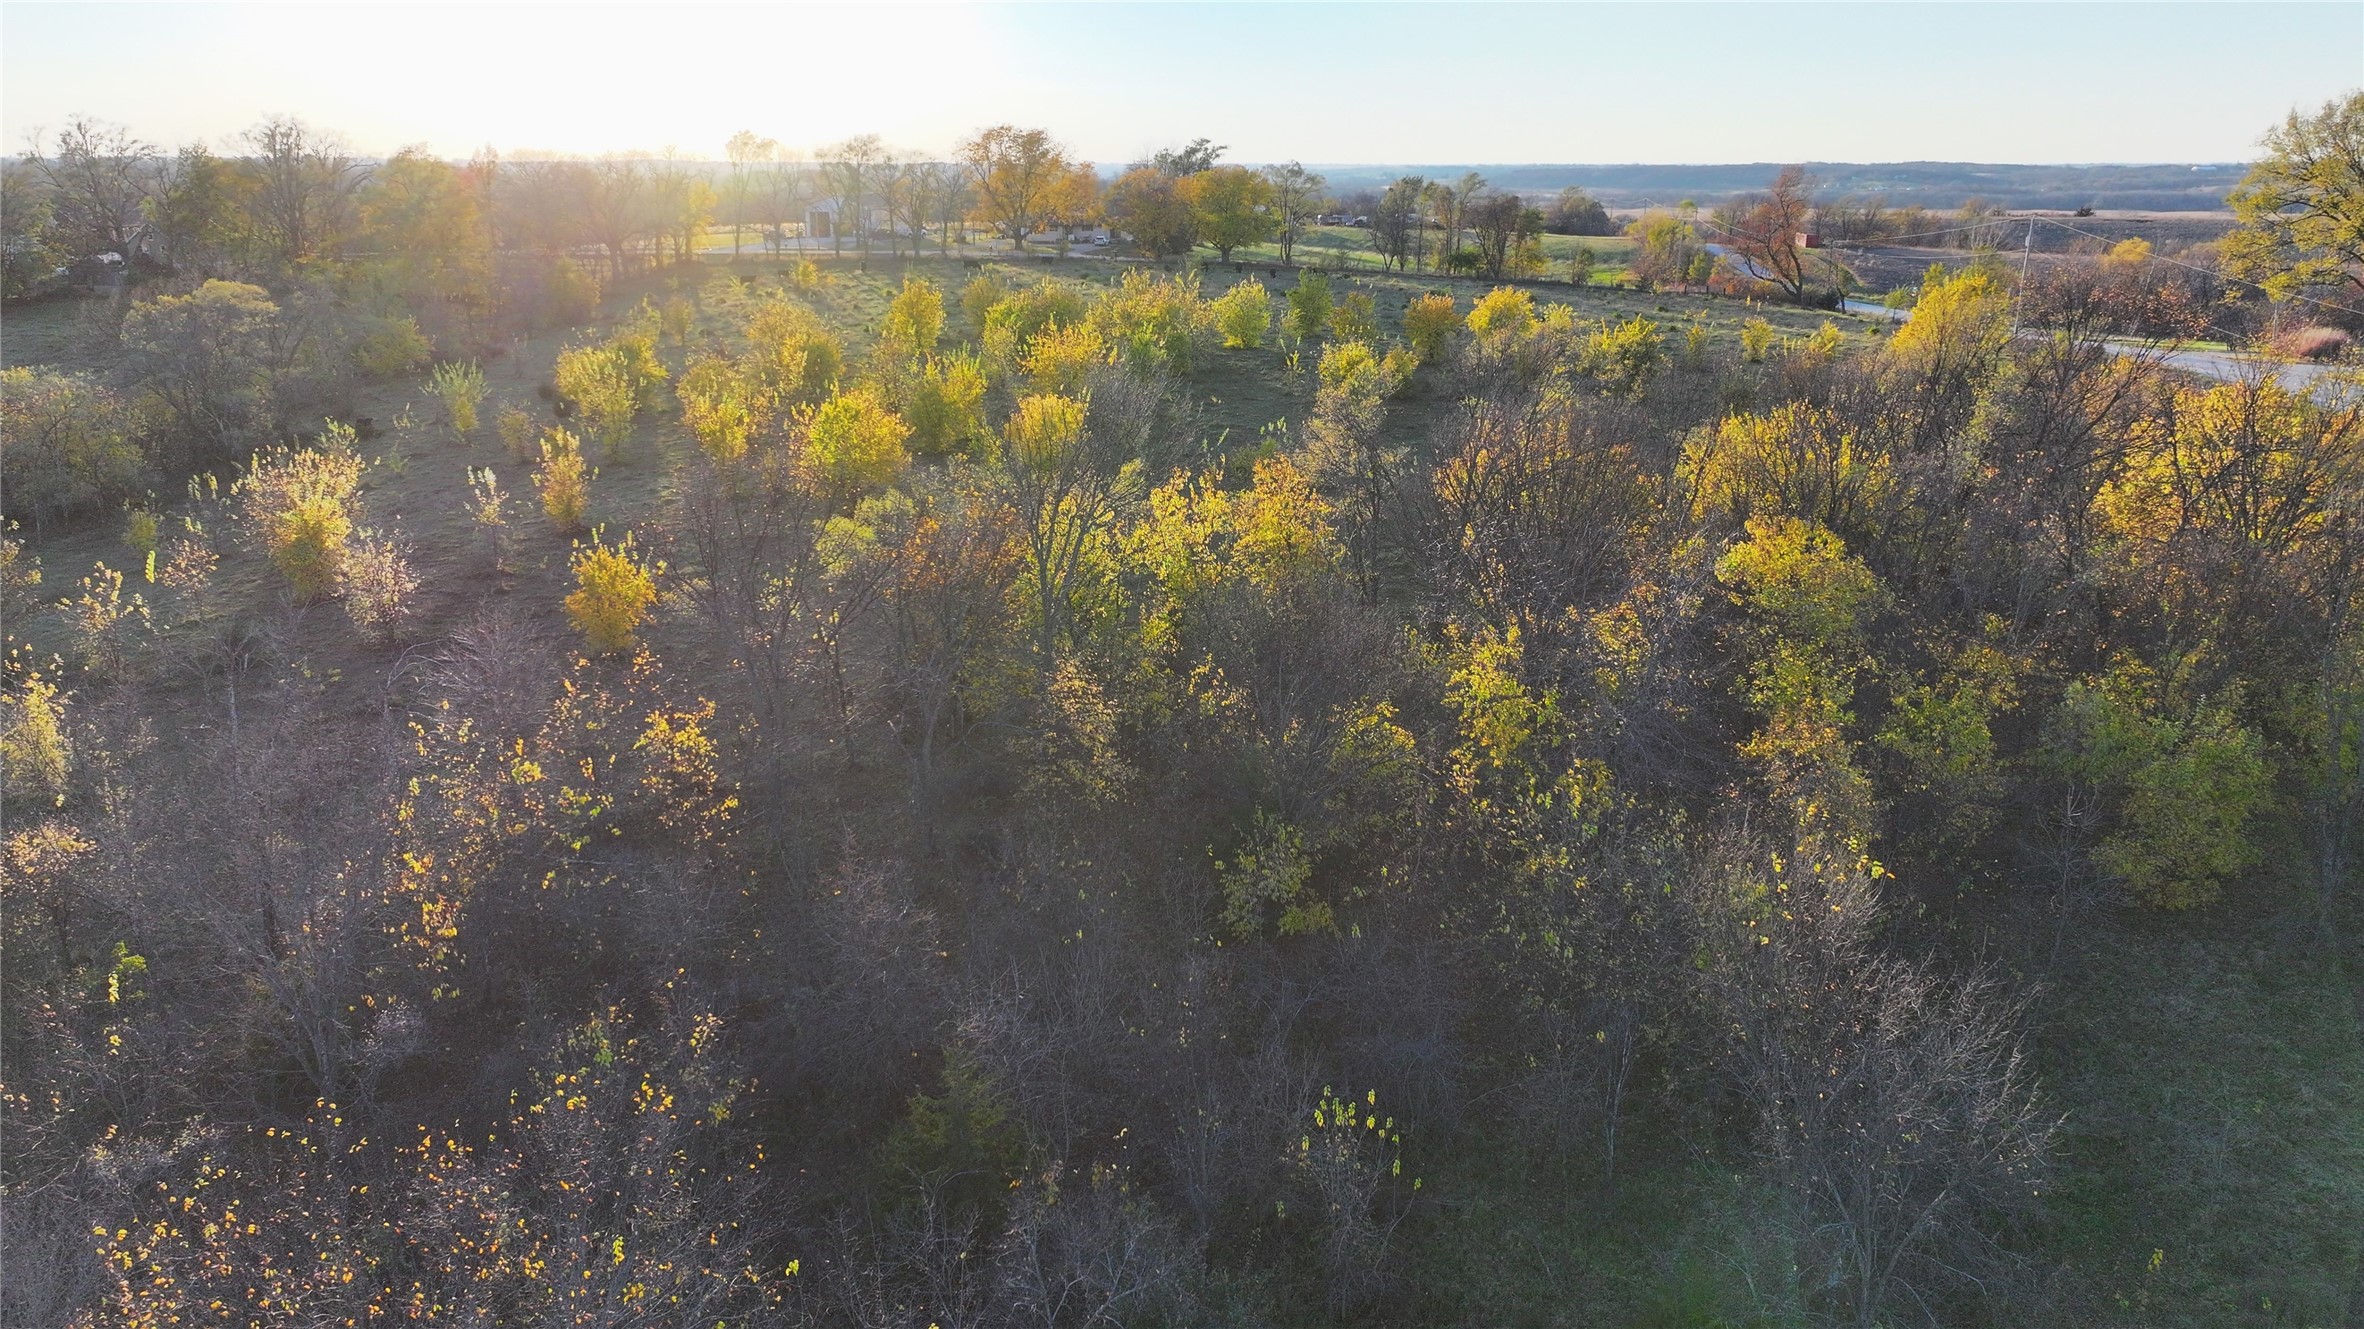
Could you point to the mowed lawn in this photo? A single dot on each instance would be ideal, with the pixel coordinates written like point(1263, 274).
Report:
point(1350, 246)
point(1320, 246)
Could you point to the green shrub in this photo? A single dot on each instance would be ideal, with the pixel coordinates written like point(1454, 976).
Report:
point(1356, 318)
point(388, 347)
point(984, 291)
point(1756, 340)
point(1154, 322)
point(946, 407)
point(2181, 779)
point(1624, 358)
point(721, 407)
point(460, 387)
point(914, 320)
point(71, 444)
point(593, 378)
point(516, 429)
point(140, 531)
point(1243, 315)
point(1505, 311)
point(300, 504)
point(791, 356)
point(1310, 307)
point(1013, 322)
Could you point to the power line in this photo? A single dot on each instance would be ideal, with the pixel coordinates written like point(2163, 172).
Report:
point(2032, 218)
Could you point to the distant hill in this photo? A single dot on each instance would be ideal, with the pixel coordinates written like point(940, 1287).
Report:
point(2176, 187)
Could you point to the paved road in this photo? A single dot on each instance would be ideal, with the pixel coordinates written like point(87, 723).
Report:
point(1745, 264)
point(2295, 377)
point(1871, 309)
point(2222, 365)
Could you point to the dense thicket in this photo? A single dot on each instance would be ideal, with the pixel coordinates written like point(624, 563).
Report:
point(910, 825)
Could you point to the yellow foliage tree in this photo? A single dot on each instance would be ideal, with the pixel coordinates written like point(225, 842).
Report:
point(1061, 359)
point(2183, 778)
point(600, 384)
point(1797, 460)
point(914, 320)
point(1809, 602)
point(721, 407)
point(854, 442)
point(36, 755)
point(1959, 326)
point(1243, 315)
point(613, 591)
point(300, 503)
point(791, 355)
point(1429, 324)
point(1043, 429)
point(563, 481)
point(1505, 311)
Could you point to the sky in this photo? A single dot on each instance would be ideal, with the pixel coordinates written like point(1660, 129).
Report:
point(1320, 83)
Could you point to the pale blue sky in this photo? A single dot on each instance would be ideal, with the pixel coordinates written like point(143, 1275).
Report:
point(1320, 83)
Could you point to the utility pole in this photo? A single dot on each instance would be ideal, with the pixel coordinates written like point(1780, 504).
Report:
point(2027, 250)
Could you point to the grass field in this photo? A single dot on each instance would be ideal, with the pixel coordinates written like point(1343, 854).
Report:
point(50, 332)
point(1350, 246)
point(1324, 246)
point(2211, 1081)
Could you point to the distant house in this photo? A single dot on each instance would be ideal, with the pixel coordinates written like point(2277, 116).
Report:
point(1058, 233)
point(830, 218)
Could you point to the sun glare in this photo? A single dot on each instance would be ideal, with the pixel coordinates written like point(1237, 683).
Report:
point(602, 78)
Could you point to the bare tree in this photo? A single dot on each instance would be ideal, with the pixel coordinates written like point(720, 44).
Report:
point(854, 169)
point(1895, 1109)
point(98, 175)
point(615, 205)
point(747, 152)
point(948, 199)
point(1504, 227)
point(1081, 1252)
point(1397, 221)
point(1769, 230)
point(787, 186)
point(305, 181)
point(904, 191)
point(1296, 196)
